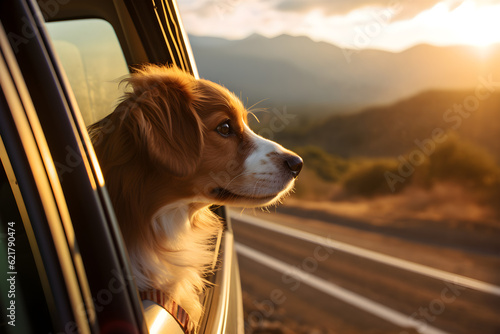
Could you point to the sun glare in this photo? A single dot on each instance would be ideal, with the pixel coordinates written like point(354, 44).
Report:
point(469, 23)
point(479, 26)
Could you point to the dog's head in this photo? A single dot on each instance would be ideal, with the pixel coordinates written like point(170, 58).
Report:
point(174, 137)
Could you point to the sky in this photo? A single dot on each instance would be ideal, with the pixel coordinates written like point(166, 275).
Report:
point(392, 25)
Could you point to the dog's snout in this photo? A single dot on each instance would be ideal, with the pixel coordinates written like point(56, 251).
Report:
point(294, 163)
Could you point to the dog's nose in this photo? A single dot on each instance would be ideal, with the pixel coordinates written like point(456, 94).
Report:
point(294, 163)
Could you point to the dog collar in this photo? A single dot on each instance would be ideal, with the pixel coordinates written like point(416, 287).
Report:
point(170, 306)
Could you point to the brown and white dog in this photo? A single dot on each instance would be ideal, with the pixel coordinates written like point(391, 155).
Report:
point(174, 146)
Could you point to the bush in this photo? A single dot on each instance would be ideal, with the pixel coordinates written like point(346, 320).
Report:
point(367, 177)
point(453, 161)
point(328, 167)
point(460, 162)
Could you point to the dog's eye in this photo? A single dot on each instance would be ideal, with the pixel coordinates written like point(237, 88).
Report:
point(224, 129)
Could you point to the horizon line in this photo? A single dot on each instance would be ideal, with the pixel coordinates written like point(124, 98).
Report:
point(369, 48)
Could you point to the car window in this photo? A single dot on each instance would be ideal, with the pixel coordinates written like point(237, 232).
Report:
point(94, 64)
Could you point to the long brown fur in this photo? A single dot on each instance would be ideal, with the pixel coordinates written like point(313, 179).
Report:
point(165, 163)
point(157, 123)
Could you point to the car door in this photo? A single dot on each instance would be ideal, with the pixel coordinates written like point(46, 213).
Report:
point(52, 183)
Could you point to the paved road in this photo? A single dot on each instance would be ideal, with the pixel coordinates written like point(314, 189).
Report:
point(315, 276)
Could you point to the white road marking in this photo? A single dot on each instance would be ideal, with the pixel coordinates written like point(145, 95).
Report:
point(374, 256)
point(363, 303)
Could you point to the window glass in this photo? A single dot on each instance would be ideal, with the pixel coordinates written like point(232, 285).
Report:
point(94, 63)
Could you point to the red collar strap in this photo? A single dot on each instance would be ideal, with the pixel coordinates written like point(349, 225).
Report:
point(171, 307)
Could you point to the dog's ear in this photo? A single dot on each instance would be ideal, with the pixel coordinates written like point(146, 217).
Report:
point(170, 131)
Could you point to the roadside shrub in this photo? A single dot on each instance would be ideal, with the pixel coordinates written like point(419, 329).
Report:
point(461, 162)
point(366, 178)
point(328, 167)
point(454, 161)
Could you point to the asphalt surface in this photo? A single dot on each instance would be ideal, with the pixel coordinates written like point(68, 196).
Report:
point(318, 284)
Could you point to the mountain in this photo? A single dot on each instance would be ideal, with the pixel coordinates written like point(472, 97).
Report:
point(298, 72)
point(407, 125)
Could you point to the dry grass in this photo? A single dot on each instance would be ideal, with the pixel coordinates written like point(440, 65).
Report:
point(444, 202)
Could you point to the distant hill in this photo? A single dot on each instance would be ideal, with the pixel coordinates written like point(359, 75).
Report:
point(297, 72)
point(393, 129)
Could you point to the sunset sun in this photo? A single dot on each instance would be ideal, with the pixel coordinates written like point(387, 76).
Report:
point(478, 26)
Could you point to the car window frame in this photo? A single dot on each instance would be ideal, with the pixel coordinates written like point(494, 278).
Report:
point(150, 34)
point(27, 166)
point(154, 42)
point(89, 208)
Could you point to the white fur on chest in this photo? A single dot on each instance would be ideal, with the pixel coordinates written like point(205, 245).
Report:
point(177, 254)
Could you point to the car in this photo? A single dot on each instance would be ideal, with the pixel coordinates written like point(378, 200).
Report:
point(64, 265)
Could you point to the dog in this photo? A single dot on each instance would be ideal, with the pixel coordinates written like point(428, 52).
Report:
point(174, 146)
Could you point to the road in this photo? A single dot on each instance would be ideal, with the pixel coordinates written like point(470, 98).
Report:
point(308, 276)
